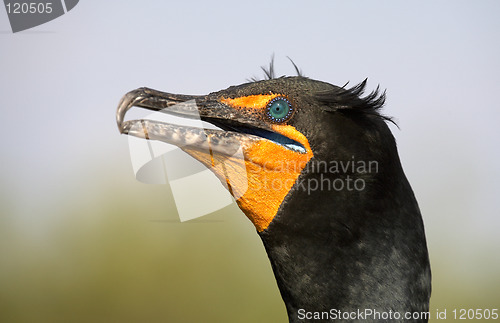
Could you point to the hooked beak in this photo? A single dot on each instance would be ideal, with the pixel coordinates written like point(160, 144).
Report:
point(152, 100)
point(187, 106)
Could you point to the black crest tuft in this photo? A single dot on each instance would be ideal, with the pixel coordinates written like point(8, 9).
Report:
point(269, 72)
point(299, 71)
point(350, 100)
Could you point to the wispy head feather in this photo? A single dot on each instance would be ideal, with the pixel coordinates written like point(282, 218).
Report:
point(350, 100)
point(299, 72)
point(269, 72)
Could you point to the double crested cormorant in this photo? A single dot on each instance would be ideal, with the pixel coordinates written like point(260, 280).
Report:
point(323, 185)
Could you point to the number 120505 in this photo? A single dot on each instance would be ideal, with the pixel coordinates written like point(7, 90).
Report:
point(29, 7)
point(475, 314)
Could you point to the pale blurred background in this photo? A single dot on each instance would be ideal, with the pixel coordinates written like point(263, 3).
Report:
point(82, 241)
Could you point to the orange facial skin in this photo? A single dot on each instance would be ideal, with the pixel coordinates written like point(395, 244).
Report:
point(260, 177)
point(272, 170)
point(258, 102)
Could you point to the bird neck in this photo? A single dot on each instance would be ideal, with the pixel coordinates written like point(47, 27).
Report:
point(350, 249)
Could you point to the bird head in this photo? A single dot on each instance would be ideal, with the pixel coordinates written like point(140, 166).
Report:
point(269, 131)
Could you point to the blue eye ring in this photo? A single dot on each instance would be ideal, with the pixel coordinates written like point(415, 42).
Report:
point(279, 109)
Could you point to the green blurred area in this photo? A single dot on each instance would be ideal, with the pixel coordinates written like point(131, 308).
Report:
point(115, 251)
point(121, 255)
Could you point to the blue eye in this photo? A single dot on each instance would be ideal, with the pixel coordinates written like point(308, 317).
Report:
point(279, 109)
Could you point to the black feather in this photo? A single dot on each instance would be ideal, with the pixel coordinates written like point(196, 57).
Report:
point(269, 72)
point(299, 72)
point(340, 99)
